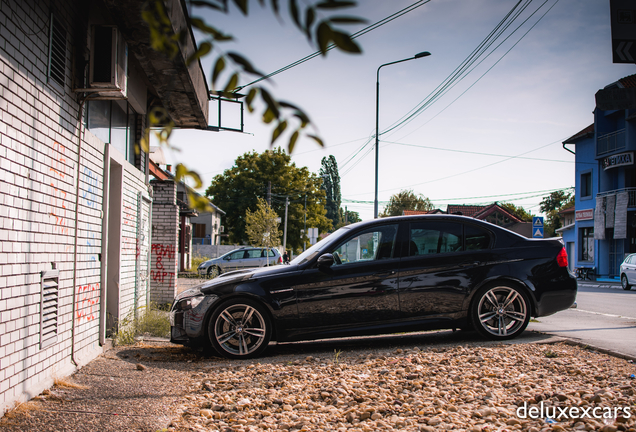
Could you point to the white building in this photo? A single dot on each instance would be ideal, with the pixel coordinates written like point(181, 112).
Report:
point(77, 81)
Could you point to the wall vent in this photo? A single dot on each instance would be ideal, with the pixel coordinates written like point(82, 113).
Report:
point(57, 53)
point(49, 304)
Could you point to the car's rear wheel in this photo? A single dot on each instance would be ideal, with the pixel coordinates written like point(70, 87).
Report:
point(239, 329)
point(213, 271)
point(625, 283)
point(500, 311)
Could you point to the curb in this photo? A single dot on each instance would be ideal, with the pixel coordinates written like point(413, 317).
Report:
point(573, 342)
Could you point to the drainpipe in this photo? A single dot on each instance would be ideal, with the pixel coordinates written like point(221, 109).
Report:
point(76, 234)
point(565, 148)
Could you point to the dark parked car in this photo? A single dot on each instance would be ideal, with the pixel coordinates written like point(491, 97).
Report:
point(388, 275)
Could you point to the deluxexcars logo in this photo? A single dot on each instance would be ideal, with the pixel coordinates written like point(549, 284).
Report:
point(575, 412)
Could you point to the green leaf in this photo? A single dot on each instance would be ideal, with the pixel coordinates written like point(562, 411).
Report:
point(247, 66)
point(344, 42)
point(323, 37)
point(242, 5)
point(347, 20)
point(204, 3)
point(293, 11)
point(268, 116)
point(333, 4)
point(310, 16)
point(317, 139)
point(292, 141)
point(250, 99)
point(217, 35)
point(270, 101)
point(203, 50)
point(279, 130)
point(218, 68)
point(232, 83)
point(275, 7)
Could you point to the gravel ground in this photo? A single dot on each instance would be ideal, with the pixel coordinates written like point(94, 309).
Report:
point(430, 382)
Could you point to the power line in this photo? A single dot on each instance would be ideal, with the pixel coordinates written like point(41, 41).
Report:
point(355, 35)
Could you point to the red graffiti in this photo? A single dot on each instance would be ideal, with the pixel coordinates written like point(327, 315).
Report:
point(163, 251)
point(161, 276)
point(88, 297)
point(129, 215)
point(58, 160)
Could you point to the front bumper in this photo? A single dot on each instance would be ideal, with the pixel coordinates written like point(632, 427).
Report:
point(190, 323)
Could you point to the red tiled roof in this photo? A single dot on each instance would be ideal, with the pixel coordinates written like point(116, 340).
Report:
point(628, 81)
point(418, 212)
point(495, 208)
point(466, 210)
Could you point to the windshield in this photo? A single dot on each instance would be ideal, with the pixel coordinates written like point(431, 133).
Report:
point(319, 247)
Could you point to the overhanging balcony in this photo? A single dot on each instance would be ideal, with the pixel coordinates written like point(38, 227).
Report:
point(630, 191)
point(610, 142)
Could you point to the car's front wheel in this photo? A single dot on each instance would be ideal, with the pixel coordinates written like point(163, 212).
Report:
point(213, 271)
point(625, 283)
point(239, 329)
point(500, 311)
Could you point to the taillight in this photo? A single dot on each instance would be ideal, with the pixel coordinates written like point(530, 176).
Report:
point(280, 260)
point(562, 258)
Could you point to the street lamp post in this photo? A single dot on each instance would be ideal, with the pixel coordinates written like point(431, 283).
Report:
point(377, 122)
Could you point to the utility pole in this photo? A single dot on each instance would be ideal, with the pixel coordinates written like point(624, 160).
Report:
point(285, 229)
point(305, 224)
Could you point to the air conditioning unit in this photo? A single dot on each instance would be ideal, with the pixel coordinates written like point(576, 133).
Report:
point(108, 72)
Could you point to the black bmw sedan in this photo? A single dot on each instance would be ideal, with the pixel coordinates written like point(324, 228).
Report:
point(382, 276)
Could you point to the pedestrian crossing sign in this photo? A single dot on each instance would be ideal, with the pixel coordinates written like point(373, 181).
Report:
point(537, 227)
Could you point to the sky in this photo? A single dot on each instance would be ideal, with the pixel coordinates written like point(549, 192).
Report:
point(495, 135)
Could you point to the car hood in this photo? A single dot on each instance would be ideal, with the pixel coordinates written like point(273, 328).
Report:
point(237, 276)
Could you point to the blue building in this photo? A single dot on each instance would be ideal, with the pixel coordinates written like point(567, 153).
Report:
point(604, 229)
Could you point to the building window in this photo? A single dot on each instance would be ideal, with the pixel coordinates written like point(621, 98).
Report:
point(114, 122)
point(587, 244)
point(57, 54)
point(586, 185)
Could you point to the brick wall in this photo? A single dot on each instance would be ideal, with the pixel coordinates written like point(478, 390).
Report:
point(165, 236)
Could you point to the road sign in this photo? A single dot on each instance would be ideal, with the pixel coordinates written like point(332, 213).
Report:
point(623, 21)
point(537, 227)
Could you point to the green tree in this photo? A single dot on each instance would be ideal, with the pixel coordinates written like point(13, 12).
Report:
point(518, 211)
point(348, 217)
point(261, 225)
point(237, 190)
point(312, 19)
point(331, 185)
point(551, 205)
point(406, 200)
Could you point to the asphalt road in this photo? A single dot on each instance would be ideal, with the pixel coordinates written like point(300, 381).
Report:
point(605, 317)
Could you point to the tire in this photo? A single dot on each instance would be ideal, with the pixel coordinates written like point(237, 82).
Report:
point(500, 311)
point(239, 329)
point(625, 283)
point(213, 271)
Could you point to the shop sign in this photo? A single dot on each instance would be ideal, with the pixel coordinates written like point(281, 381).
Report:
point(587, 214)
point(618, 160)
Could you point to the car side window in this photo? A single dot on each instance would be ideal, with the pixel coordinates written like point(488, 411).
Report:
point(374, 244)
point(426, 238)
point(253, 253)
point(476, 238)
point(236, 255)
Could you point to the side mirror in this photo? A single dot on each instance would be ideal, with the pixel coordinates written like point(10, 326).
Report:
point(325, 260)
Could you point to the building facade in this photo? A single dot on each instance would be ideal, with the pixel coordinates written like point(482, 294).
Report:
point(77, 81)
point(604, 229)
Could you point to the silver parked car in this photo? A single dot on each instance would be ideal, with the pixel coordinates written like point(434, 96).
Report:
point(247, 257)
point(628, 272)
